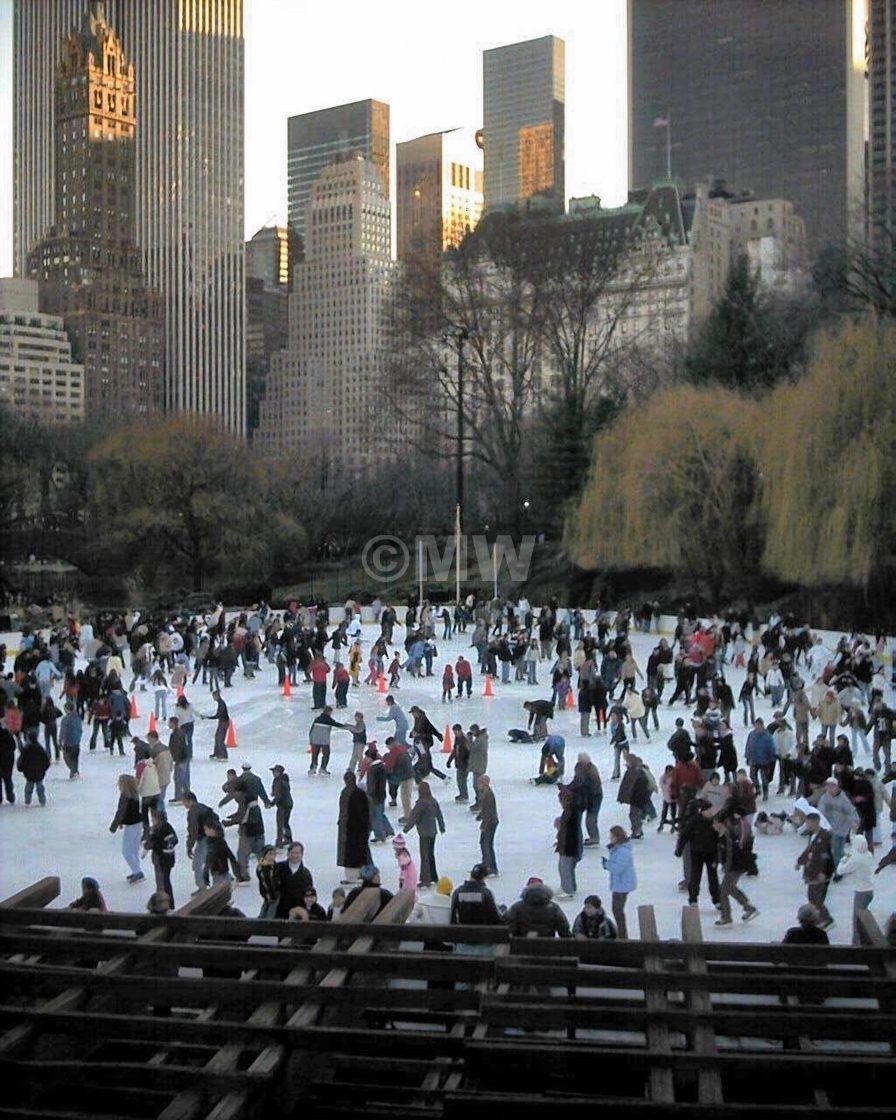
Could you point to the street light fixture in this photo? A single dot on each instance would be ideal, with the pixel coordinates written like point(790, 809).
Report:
point(458, 335)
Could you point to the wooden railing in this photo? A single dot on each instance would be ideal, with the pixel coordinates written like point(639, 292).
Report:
point(193, 1015)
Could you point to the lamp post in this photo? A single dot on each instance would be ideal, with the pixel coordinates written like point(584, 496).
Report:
point(460, 336)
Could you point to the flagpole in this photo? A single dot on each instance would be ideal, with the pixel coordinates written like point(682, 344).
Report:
point(668, 145)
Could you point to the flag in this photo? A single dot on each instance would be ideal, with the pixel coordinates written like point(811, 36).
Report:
point(661, 122)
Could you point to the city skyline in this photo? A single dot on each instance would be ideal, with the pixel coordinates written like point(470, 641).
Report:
point(428, 85)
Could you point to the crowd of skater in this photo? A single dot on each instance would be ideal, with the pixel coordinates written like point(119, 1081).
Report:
point(825, 750)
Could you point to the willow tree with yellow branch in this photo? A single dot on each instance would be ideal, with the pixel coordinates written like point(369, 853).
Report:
point(829, 463)
point(674, 485)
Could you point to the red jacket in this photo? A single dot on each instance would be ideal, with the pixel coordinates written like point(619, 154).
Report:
point(319, 670)
point(464, 669)
point(687, 774)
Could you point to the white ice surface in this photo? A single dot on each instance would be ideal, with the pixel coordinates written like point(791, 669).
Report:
point(71, 837)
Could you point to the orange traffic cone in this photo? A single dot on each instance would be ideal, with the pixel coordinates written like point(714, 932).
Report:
point(230, 741)
point(381, 684)
point(447, 745)
point(135, 714)
point(153, 724)
point(488, 690)
point(287, 688)
point(570, 703)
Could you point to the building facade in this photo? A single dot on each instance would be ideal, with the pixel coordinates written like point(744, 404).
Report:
point(683, 246)
point(438, 198)
point(315, 140)
point(768, 96)
point(38, 375)
point(524, 122)
point(188, 63)
point(271, 256)
point(882, 126)
point(323, 393)
point(88, 266)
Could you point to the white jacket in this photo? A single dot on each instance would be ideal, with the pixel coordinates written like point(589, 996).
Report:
point(858, 863)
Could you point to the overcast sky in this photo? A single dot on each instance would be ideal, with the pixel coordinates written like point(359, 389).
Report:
point(424, 59)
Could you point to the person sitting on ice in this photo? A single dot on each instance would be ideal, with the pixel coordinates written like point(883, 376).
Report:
point(548, 768)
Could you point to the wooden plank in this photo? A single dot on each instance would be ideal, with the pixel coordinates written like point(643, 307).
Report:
point(232, 1106)
point(18, 1037)
point(703, 1036)
point(39, 894)
point(660, 1086)
point(189, 1104)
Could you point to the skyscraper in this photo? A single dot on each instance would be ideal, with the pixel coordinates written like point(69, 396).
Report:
point(323, 391)
point(315, 140)
point(438, 199)
point(882, 124)
point(271, 254)
point(188, 61)
point(88, 266)
point(768, 96)
point(524, 116)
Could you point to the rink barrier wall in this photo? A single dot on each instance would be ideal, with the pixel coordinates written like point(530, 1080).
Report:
point(298, 1020)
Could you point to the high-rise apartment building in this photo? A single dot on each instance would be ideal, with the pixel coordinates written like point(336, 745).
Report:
point(438, 197)
point(271, 255)
point(88, 266)
point(188, 63)
point(38, 374)
point(323, 392)
point(524, 115)
point(766, 95)
point(315, 140)
point(882, 124)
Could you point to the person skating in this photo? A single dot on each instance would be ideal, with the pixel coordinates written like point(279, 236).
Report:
point(734, 857)
point(568, 844)
point(620, 864)
point(696, 833)
point(161, 844)
point(319, 737)
point(488, 824)
point(129, 820)
point(817, 865)
point(634, 791)
point(222, 717)
point(352, 849)
point(408, 875)
point(281, 798)
point(858, 863)
point(198, 816)
point(7, 765)
point(460, 756)
point(33, 765)
point(479, 741)
point(426, 817)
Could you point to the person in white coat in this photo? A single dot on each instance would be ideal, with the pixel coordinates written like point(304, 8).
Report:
point(858, 864)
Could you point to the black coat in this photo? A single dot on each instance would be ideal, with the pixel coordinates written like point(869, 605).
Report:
point(354, 829)
point(291, 887)
point(33, 762)
point(7, 753)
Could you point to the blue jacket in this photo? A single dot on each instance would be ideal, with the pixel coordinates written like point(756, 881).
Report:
point(621, 866)
point(70, 730)
point(760, 750)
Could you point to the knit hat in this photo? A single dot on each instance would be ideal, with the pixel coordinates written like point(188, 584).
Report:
point(368, 872)
point(399, 843)
point(534, 881)
point(245, 764)
point(278, 769)
point(444, 886)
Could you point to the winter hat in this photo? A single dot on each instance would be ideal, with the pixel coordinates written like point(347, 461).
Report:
point(478, 871)
point(399, 843)
point(444, 886)
point(368, 872)
point(245, 764)
point(278, 769)
point(534, 881)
